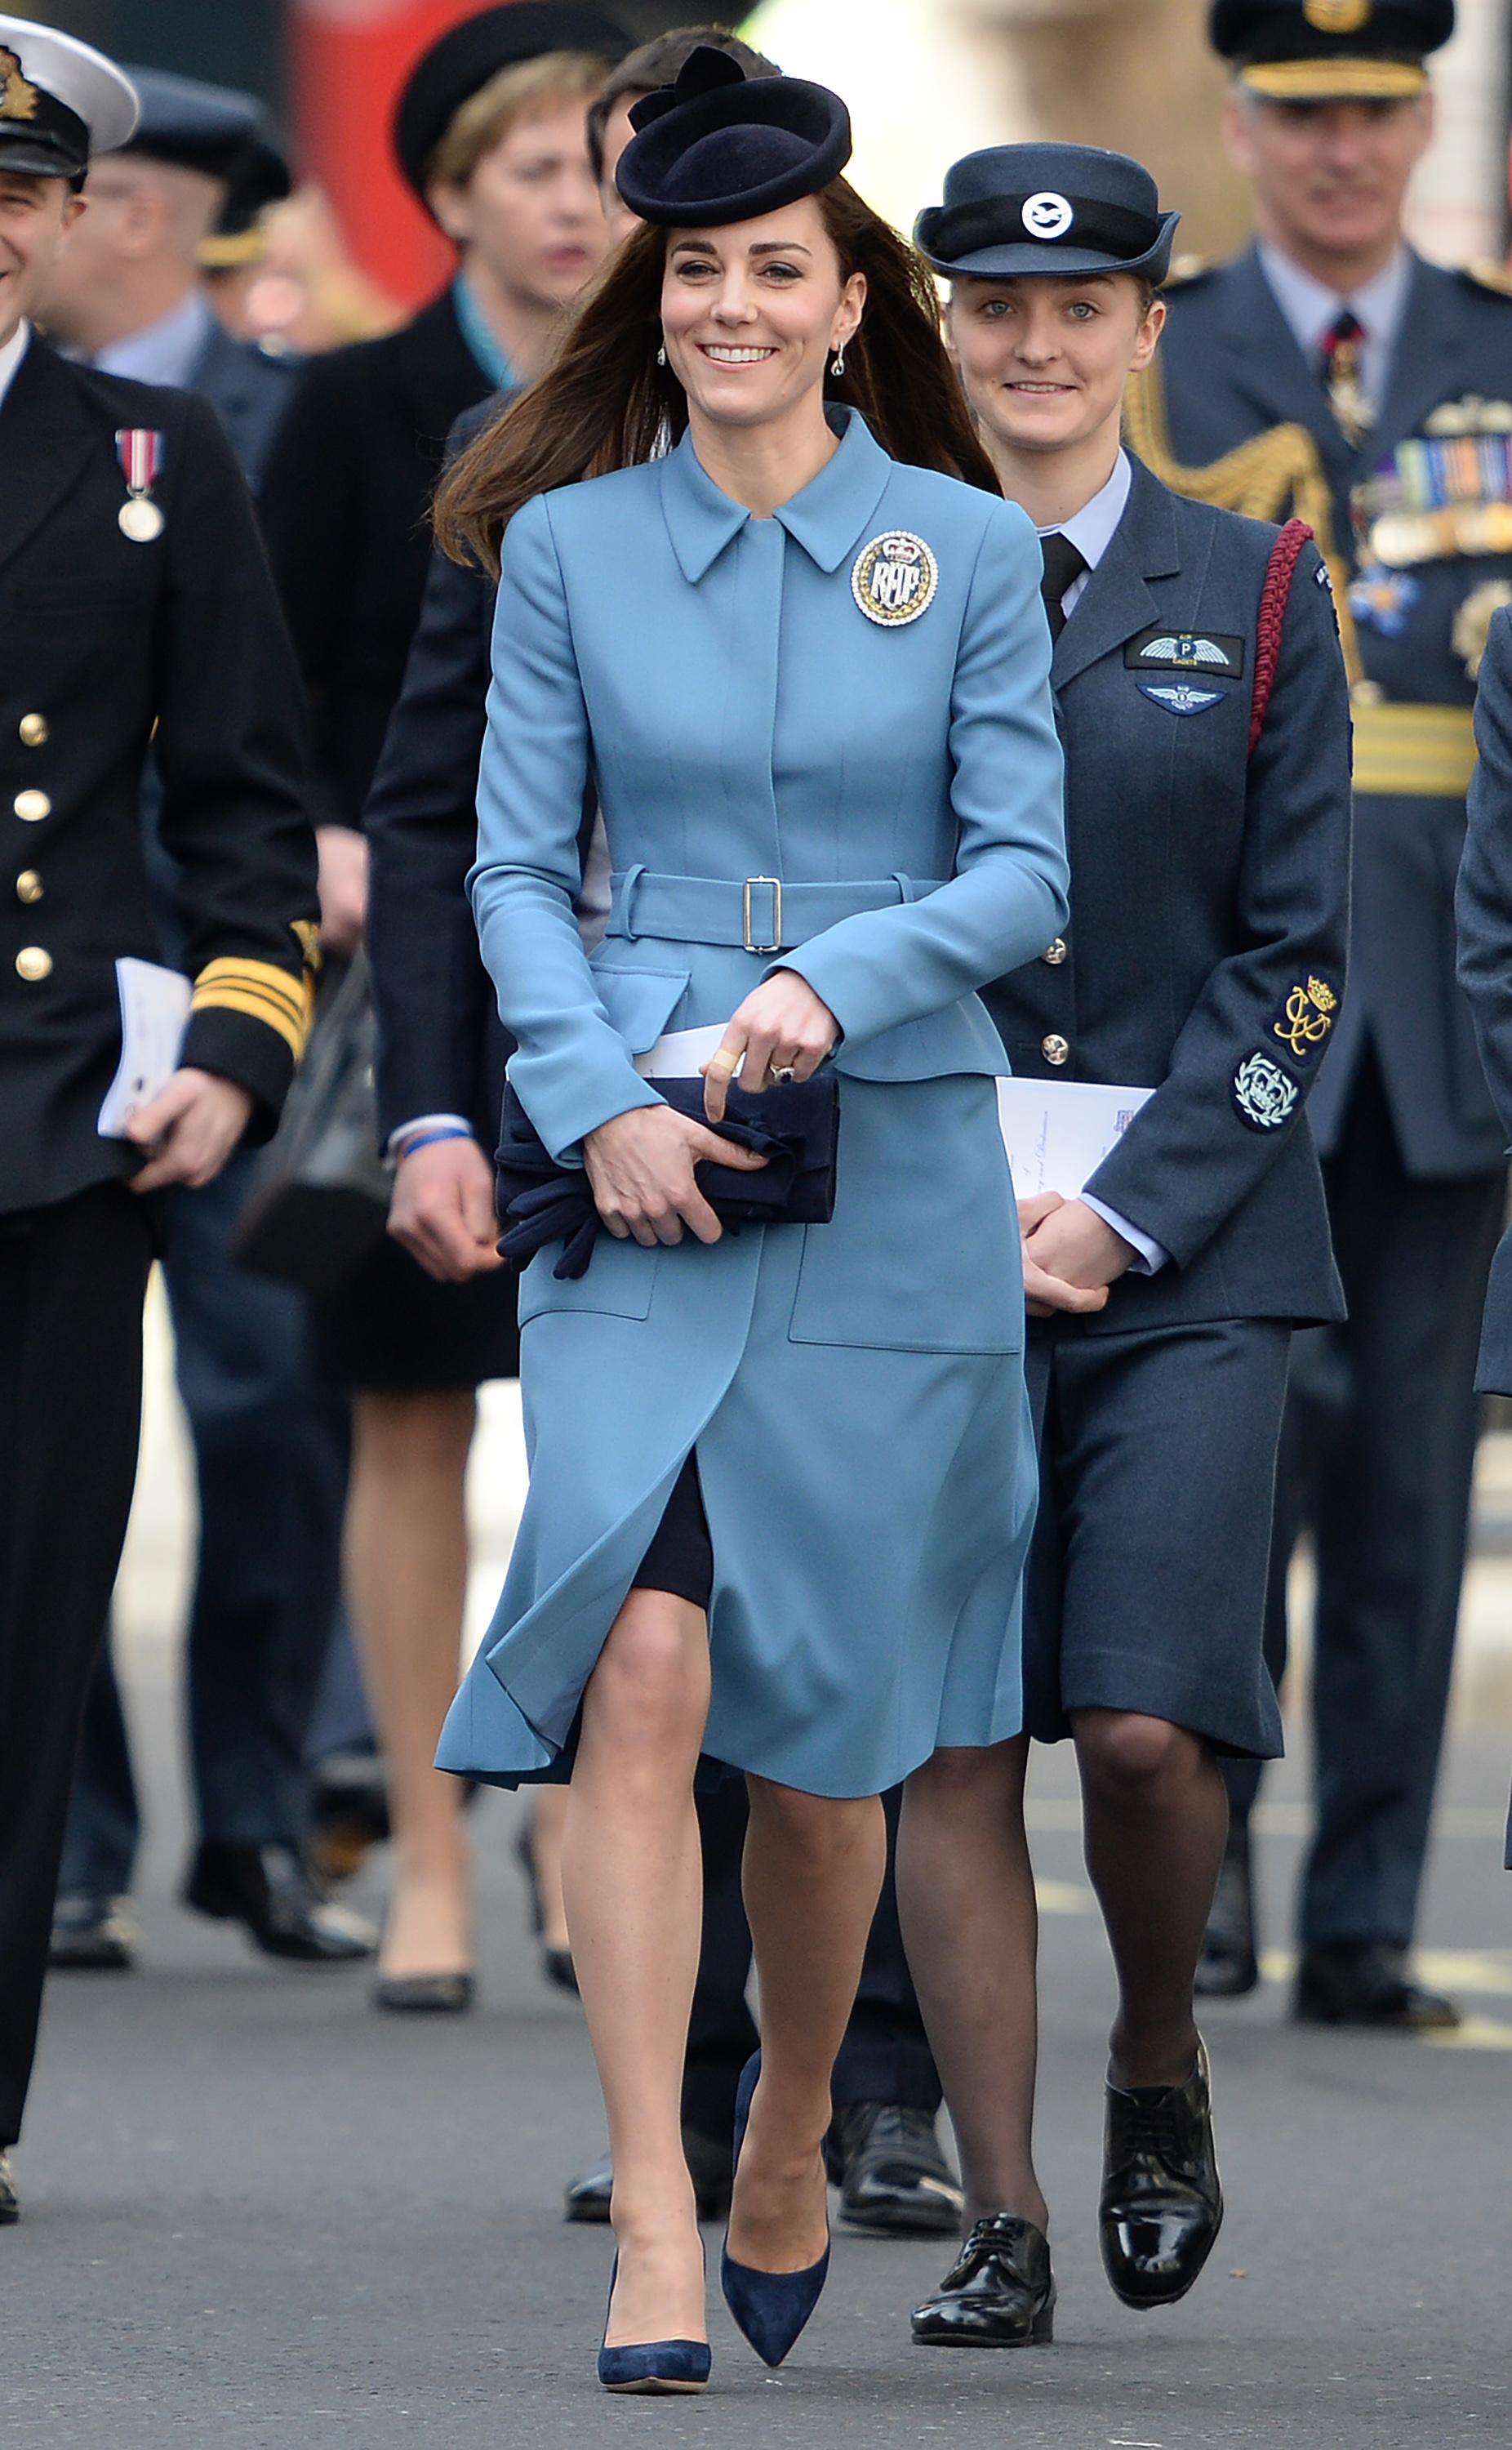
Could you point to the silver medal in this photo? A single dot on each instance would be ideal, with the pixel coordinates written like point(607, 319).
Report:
point(140, 519)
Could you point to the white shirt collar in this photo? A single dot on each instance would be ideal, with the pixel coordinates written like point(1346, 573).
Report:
point(166, 352)
point(11, 355)
point(1093, 527)
point(1312, 309)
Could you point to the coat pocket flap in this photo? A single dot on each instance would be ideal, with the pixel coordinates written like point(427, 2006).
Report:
point(639, 1002)
point(960, 1038)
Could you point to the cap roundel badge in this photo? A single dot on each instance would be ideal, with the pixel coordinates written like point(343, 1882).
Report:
point(895, 578)
point(1047, 215)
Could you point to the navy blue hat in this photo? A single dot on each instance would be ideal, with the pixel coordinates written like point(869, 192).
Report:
point(204, 127)
point(1330, 51)
point(1058, 208)
point(469, 55)
point(720, 146)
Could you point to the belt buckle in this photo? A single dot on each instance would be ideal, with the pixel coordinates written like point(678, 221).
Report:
point(776, 944)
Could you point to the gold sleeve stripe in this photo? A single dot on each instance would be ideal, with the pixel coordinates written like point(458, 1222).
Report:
point(226, 998)
point(255, 978)
point(1414, 752)
point(1275, 475)
point(1339, 80)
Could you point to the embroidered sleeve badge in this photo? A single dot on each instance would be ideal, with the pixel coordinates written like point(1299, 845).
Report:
point(1264, 1094)
point(1306, 1018)
point(895, 578)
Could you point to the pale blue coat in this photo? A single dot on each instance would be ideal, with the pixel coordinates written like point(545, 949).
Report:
point(854, 1391)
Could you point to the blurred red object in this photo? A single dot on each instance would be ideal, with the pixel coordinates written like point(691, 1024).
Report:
point(349, 59)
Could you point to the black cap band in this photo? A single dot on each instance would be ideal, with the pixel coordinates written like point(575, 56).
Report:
point(960, 230)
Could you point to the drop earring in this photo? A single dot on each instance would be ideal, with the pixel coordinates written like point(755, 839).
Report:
point(661, 356)
point(838, 364)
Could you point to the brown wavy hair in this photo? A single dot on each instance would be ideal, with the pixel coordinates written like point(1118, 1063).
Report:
point(605, 402)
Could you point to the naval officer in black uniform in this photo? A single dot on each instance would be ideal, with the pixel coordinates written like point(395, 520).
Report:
point(1329, 369)
point(127, 297)
point(135, 606)
point(1201, 701)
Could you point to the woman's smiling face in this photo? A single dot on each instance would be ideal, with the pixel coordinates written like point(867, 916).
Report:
point(752, 312)
point(1044, 359)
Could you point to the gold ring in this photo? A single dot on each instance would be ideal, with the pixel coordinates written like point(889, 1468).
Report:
point(723, 1061)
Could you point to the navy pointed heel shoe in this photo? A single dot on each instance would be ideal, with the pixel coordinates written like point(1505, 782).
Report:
point(660, 2370)
point(771, 2307)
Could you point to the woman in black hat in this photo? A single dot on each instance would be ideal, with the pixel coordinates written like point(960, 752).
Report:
point(807, 672)
point(1204, 713)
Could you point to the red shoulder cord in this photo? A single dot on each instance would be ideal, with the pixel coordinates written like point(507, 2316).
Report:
point(1284, 560)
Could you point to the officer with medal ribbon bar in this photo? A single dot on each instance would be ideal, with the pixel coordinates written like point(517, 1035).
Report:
point(1331, 371)
point(135, 606)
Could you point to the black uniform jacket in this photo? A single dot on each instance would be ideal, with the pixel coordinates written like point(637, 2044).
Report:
point(251, 390)
point(1232, 370)
point(441, 1044)
point(105, 644)
point(346, 504)
point(1205, 953)
point(1485, 913)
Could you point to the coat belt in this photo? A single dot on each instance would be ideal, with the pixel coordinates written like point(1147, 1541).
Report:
point(760, 913)
point(1414, 752)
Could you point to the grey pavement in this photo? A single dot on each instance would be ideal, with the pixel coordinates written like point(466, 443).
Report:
point(257, 2213)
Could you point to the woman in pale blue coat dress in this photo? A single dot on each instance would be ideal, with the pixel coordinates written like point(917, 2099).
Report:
point(761, 684)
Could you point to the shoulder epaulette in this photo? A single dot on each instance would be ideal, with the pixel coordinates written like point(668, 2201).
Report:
point(1486, 274)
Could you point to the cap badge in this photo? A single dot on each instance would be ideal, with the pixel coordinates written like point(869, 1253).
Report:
point(1047, 215)
point(140, 452)
point(895, 578)
point(1337, 16)
point(18, 100)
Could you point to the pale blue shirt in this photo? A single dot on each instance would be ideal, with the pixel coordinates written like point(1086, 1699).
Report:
point(167, 352)
point(1091, 531)
point(1312, 309)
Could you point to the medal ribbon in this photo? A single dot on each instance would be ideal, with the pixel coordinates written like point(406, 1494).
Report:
point(140, 452)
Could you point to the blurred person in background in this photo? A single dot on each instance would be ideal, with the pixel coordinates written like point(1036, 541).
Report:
point(127, 296)
point(290, 281)
point(136, 608)
point(442, 1053)
point(1332, 369)
point(490, 130)
point(1165, 1287)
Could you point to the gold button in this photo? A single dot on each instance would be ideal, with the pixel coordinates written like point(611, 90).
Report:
point(1055, 1049)
point(1054, 954)
point(33, 730)
point(28, 886)
point(34, 964)
point(32, 807)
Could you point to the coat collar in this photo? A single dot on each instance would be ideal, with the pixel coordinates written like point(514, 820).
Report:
point(1117, 603)
point(47, 435)
point(827, 518)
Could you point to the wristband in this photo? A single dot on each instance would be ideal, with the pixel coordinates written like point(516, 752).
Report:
point(428, 1139)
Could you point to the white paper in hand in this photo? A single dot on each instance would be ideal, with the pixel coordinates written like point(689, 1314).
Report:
point(154, 1009)
point(681, 1056)
point(1058, 1133)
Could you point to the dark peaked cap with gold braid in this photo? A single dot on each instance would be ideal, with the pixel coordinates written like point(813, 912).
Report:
point(1330, 51)
point(60, 100)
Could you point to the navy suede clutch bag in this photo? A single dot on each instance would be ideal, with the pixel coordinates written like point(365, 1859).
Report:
point(795, 1126)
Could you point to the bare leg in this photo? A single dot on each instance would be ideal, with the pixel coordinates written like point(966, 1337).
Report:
point(1156, 1819)
point(813, 1873)
point(632, 1875)
point(548, 1821)
point(966, 1899)
point(406, 1581)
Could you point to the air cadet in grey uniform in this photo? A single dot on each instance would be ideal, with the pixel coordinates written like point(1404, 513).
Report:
point(1329, 369)
point(135, 606)
point(1202, 705)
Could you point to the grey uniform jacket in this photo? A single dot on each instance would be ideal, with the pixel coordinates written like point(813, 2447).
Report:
point(1232, 370)
point(1206, 949)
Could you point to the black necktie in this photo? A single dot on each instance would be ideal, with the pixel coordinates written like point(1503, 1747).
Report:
point(1064, 564)
point(1343, 349)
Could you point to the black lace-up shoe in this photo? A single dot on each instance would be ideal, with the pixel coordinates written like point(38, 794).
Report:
point(892, 2175)
point(1000, 2294)
point(1228, 1966)
point(1369, 1982)
point(1162, 2200)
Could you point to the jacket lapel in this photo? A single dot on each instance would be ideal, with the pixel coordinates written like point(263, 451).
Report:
point(1432, 359)
point(1269, 369)
point(1117, 603)
point(439, 372)
point(46, 438)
